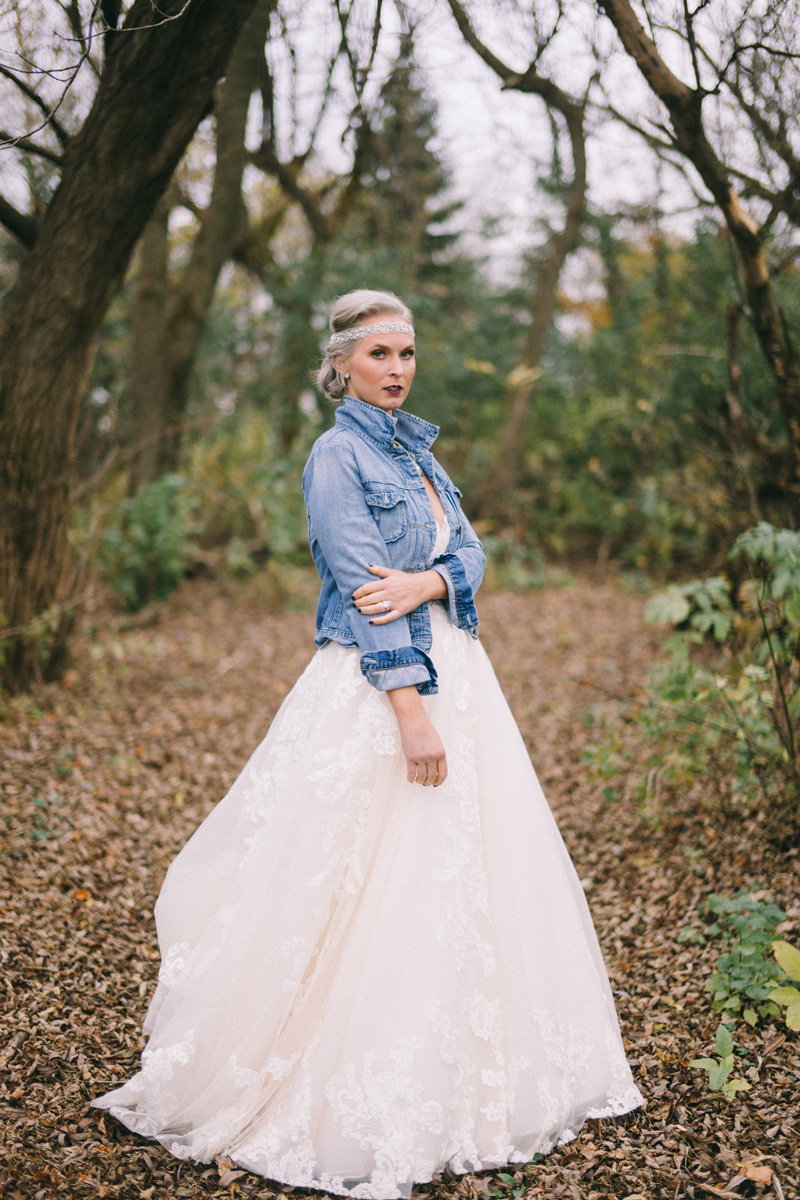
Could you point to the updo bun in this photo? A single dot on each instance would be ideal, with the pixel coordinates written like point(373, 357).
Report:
point(348, 311)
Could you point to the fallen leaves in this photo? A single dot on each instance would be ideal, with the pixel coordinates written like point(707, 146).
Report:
point(750, 1170)
point(104, 780)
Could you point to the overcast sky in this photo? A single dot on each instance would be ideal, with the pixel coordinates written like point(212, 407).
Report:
point(495, 142)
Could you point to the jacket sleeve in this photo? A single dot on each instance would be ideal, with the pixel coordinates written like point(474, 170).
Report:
point(341, 522)
point(462, 571)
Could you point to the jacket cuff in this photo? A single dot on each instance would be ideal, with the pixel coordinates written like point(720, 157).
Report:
point(460, 597)
point(390, 669)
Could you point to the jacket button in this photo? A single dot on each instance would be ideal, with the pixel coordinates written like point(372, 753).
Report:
point(458, 530)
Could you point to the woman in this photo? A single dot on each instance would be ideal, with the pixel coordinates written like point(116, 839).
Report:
point(364, 979)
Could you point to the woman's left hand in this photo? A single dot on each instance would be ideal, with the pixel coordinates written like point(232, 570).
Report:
point(402, 591)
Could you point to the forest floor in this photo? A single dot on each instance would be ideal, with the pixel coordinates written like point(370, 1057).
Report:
point(105, 775)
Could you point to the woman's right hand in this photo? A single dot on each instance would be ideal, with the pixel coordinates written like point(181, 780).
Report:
point(426, 761)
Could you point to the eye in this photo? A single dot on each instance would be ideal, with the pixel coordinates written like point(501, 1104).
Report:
point(409, 353)
point(378, 353)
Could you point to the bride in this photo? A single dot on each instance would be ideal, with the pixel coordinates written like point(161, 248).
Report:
point(377, 958)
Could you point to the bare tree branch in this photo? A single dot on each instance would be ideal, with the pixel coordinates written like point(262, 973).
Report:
point(40, 103)
point(323, 221)
point(660, 145)
point(471, 38)
point(22, 225)
point(688, 17)
point(84, 40)
point(376, 33)
point(776, 141)
point(31, 147)
point(73, 14)
point(288, 176)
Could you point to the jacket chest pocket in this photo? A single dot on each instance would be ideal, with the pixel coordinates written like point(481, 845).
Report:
point(389, 510)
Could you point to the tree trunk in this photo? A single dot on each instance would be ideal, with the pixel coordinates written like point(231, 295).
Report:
point(297, 353)
point(155, 89)
point(147, 378)
point(739, 433)
point(543, 302)
point(158, 404)
point(684, 106)
point(496, 487)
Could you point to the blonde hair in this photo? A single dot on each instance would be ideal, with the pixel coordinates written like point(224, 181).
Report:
point(347, 312)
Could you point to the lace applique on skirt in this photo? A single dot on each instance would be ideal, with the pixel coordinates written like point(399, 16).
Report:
point(364, 979)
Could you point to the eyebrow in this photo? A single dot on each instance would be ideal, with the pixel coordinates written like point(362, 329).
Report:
point(383, 346)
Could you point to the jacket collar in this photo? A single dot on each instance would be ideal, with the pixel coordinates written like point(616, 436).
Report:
point(385, 428)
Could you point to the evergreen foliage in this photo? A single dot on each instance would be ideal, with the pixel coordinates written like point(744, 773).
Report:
point(406, 202)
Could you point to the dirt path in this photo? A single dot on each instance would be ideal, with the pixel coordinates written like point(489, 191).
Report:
point(105, 777)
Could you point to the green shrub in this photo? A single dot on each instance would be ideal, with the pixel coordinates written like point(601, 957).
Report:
point(146, 549)
point(726, 700)
point(701, 605)
point(248, 492)
point(513, 566)
point(746, 972)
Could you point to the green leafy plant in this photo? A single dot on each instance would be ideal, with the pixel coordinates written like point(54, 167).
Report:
point(720, 1068)
point(702, 605)
point(726, 702)
point(511, 565)
point(746, 972)
point(146, 550)
point(605, 758)
point(788, 958)
point(516, 1189)
point(745, 975)
point(40, 829)
point(513, 1185)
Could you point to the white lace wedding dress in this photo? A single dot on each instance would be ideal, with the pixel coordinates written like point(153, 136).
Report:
point(364, 979)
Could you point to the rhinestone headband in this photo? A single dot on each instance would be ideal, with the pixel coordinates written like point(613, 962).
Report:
point(359, 331)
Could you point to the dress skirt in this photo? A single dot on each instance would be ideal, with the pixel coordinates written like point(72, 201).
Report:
point(363, 979)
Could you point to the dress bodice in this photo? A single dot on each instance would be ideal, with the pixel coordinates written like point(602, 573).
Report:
point(442, 540)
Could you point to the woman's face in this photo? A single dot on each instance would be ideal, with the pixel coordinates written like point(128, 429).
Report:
point(381, 366)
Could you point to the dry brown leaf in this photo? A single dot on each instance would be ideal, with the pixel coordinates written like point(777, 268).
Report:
point(228, 1177)
point(757, 1172)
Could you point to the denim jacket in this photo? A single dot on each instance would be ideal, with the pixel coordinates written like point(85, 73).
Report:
point(367, 503)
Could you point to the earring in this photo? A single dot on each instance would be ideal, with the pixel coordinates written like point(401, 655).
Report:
point(347, 374)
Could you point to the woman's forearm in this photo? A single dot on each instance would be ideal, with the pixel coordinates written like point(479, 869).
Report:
point(435, 586)
point(426, 761)
point(407, 705)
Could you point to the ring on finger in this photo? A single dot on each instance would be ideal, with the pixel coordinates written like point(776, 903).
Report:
point(385, 605)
